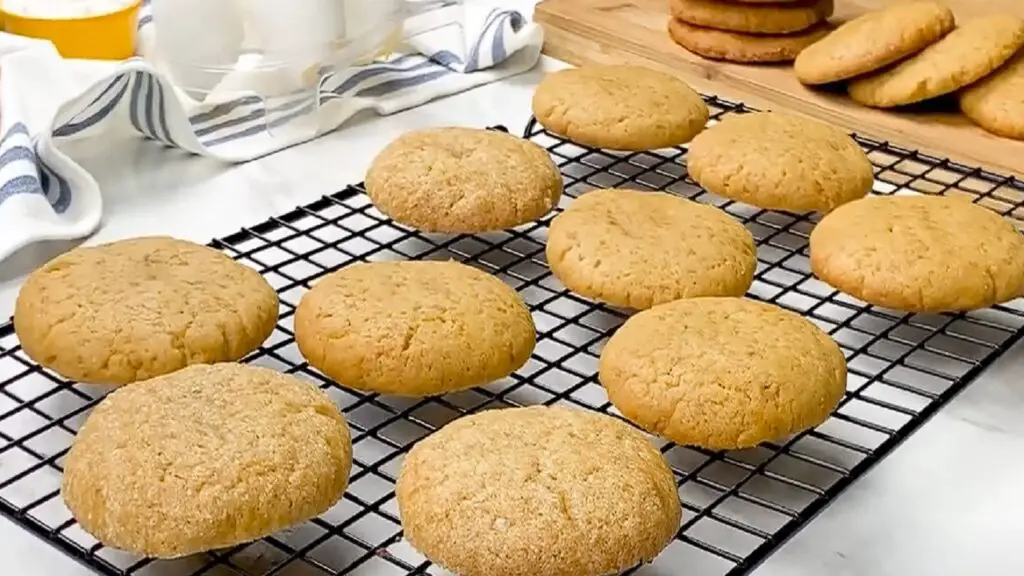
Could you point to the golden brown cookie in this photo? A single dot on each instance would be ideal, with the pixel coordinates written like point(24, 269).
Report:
point(919, 253)
point(996, 103)
point(722, 373)
point(413, 328)
point(537, 491)
point(780, 161)
point(134, 309)
point(752, 18)
point(738, 47)
point(963, 56)
point(206, 458)
point(636, 249)
point(619, 107)
point(873, 41)
point(463, 180)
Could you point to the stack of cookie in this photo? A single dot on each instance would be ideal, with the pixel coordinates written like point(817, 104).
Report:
point(749, 31)
point(912, 52)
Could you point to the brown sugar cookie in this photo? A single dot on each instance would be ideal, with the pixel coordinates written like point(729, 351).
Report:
point(873, 41)
point(530, 491)
point(780, 161)
point(208, 457)
point(463, 180)
point(738, 47)
point(963, 56)
point(636, 249)
point(133, 309)
point(919, 253)
point(996, 103)
point(417, 328)
point(753, 18)
point(619, 107)
point(722, 373)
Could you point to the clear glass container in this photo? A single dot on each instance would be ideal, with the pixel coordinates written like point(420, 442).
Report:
point(271, 57)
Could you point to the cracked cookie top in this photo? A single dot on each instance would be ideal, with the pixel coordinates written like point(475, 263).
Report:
point(463, 180)
point(722, 373)
point(619, 107)
point(134, 309)
point(538, 491)
point(208, 457)
point(413, 328)
point(635, 249)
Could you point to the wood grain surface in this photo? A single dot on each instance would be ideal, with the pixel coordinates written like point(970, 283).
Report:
point(584, 32)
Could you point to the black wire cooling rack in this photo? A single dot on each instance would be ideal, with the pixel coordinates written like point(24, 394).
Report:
point(740, 506)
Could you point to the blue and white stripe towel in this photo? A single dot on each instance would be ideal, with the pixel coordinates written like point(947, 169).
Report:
point(44, 101)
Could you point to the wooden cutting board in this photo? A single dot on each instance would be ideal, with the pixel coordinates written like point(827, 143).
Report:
point(584, 32)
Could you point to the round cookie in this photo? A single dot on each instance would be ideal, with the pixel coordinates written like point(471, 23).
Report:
point(619, 108)
point(636, 249)
point(463, 180)
point(753, 18)
point(413, 328)
point(208, 457)
point(919, 253)
point(963, 56)
point(722, 373)
point(873, 41)
point(780, 161)
point(130, 310)
point(537, 491)
point(738, 47)
point(996, 103)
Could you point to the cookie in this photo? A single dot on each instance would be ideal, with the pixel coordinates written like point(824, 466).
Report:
point(208, 457)
point(619, 108)
point(919, 254)
point(130, 310)
point(963, 56)
point(413, 328)
point(752, 18)
point(996, 103)
point(738, 47)
point(722, 373)
point(537, 491)
point(463, 180)
point(636, 249)
point(873, 41)
point(780, 161)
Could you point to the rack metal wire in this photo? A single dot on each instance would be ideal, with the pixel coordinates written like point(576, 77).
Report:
point(740, 506)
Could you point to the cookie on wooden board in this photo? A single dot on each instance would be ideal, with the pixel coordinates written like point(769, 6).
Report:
point(416, 328)
point(967, 54)
point(753, 18)
point(529, 491)
point(463, 180)
point(619, 107)
point(636, 249)
point(919, 253)
point(208, 457)
point(722, 373)
point(129, 310)
point(872, 41)
point(780, 161)
point(996, 103)
point(746, 48)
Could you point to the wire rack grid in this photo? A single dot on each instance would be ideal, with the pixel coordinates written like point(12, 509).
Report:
point(740, 506)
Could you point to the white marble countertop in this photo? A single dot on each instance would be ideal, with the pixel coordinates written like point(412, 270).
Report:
point(947, 502)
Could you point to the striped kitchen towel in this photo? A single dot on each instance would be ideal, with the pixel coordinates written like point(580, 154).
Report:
point(44, 195)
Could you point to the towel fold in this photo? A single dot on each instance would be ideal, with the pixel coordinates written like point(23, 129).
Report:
point(45, 101)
